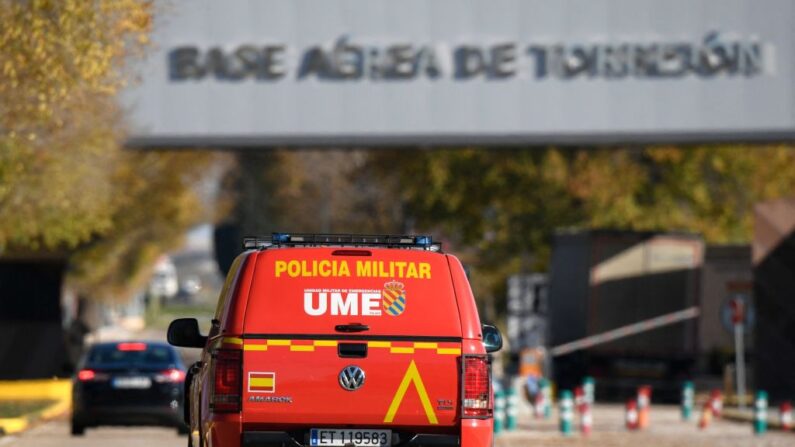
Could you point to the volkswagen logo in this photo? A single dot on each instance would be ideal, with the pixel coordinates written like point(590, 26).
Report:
point(351, 378)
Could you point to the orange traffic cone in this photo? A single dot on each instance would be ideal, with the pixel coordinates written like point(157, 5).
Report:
point(631, 417)
point(716, 402)
point(644, 402)
point(706, 415)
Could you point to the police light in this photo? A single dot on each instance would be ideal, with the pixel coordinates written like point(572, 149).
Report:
point(425, 241)
point(280, 238)
point(391, 241)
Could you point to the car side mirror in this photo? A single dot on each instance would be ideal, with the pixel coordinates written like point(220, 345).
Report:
point(184, 332)
point(492, 339)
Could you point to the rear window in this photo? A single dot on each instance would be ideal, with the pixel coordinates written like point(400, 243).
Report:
point(392, 291)
point(127, 354)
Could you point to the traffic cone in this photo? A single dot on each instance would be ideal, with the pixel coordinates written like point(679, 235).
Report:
point(589, 386)
point(579, 397)
point(586, 419)
point(538, 405)
point(706, 415)
point(631, 415)
point(566, 412)
point(687, 400)
point(499, 411)
point(785, 415)
point(546, 390)
point(716, 401)
point(511, 412)
point(760, 413)
point(644, 404)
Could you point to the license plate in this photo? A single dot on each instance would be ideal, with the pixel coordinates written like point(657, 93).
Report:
point(341, 437)
point(135, 383)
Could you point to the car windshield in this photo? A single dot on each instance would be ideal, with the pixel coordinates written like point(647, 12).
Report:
point(131, 354)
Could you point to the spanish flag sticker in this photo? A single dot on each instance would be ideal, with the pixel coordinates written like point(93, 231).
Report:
point(262, 382)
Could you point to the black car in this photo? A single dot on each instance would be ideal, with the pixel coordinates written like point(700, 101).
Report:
point(129, 383)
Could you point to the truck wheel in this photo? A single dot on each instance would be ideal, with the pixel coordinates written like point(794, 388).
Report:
point(77, 429)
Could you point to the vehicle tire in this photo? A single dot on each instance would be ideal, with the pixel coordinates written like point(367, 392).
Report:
point(77, 429)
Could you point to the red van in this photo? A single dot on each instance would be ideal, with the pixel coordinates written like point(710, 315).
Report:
point(338, 341)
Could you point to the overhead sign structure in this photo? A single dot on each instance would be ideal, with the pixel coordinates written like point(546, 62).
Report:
point(259, 73)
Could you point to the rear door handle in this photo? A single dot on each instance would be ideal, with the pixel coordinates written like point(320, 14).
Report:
point(353, 327)
point(352, 350)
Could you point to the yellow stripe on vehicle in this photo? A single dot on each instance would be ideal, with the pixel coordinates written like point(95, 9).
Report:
point(264, 345)
point(401, 350)
point(302, 348)
point(426, 345)
point(233, 340)
point(449, 351)
point(255, 347)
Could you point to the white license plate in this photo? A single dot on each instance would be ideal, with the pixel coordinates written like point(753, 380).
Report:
point(341, 437)
point(134, 383)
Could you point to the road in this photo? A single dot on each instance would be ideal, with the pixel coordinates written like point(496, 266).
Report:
point(56, 434)
point(666, 430)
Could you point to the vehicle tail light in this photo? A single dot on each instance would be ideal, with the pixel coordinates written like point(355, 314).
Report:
point(85, 375)
point(131, 346)
point(172, 375)
point(477, 387)
point(228, 381)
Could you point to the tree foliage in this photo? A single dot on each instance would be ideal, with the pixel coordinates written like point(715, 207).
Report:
point(501, 207)
point(66, 185)
point(61, 63)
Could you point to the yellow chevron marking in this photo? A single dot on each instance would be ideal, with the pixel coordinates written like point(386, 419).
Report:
point(379, 344)
point(331, 343)
point(232, 340)
point(279, 342)
point(412, 376)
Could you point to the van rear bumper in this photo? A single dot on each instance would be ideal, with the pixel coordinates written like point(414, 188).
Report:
point(285, 439)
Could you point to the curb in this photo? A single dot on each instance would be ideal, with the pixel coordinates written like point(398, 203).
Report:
point(739, 416)
point(58, 390)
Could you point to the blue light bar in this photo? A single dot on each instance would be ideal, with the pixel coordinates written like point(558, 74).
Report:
point(280, 238)
point(362, 240)
point(424, 241)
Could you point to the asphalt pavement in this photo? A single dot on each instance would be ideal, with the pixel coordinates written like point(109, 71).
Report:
point(56, 434)
point(666, 430)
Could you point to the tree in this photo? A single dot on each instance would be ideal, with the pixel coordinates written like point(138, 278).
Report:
point(62, 61)
point(66, 184)
point(500, 207)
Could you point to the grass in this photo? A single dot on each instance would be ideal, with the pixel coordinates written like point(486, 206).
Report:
point(17, 408)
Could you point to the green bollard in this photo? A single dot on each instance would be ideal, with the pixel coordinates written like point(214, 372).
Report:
point(566, 412)
point(546, 390)
point(511, 411)
point(760, 413)
point(589, 389)
point(499, 411)
point(687, 400)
